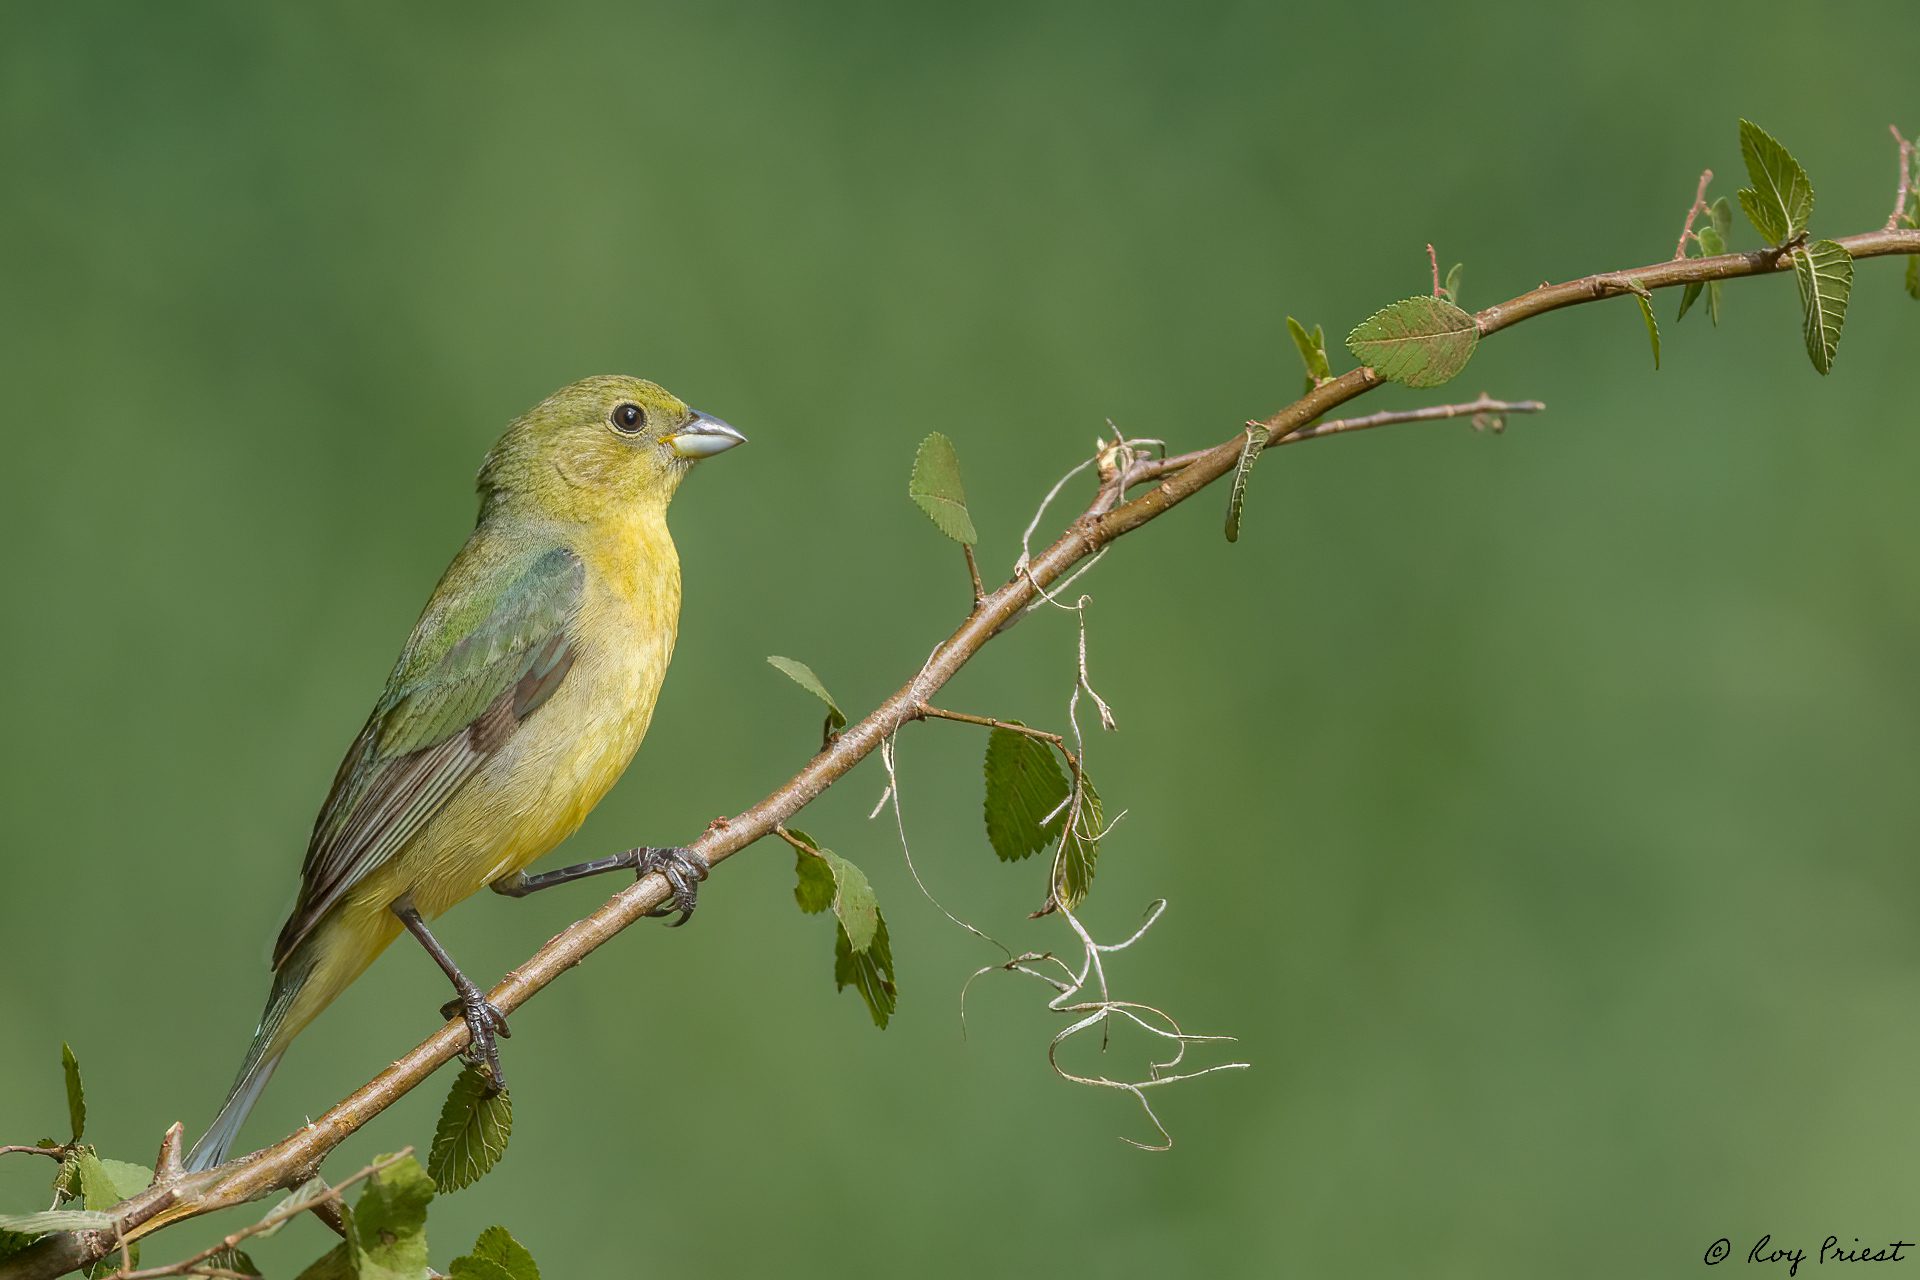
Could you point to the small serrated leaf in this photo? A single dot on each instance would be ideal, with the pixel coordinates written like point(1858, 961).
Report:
point(1081, 849)
point(1256, 444)
point(853, 901)
point(1313, 352)
point(76, 1095)
point(475, 1125)
point(1713, 243)
point(496, 1256)
point(97, 1189)
point(1824, 271)
point(813, 877)
point(1781, 198)
point(1452, 287)
point(1688, 296)
point(38, 1224)
point(1422, 342)
point(128, 1179)
point(869, 970)
point(66, 1178)
point(802, 674)
point(388, 1239)
point(232, 1259)
point(1645, 300)
point(334, 1264)
point(935, 486)
point(1025, 785)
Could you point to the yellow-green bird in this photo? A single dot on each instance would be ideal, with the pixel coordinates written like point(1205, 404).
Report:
point(521, 695)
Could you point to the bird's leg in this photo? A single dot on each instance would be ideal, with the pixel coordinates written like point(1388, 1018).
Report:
point(683, 870)
point(484, 1021)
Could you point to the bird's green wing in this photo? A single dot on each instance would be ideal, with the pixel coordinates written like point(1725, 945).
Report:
point(471, 672)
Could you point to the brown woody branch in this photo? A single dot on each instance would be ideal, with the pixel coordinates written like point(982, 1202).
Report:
point(297, 1157)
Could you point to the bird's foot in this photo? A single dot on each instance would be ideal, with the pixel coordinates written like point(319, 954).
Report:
point(683, 869)
point(486, 1025)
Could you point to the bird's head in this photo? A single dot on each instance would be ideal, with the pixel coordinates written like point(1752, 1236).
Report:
point(601, 446)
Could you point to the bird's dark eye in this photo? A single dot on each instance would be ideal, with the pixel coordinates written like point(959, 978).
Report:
point(629, 417)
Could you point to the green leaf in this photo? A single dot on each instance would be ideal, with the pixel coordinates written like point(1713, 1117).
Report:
point(813, 877)
point(76, 1096)
point(1422, 342)
point(1645, 299)
point(1712, 244)
point(853, 900)
point(1781, 198)
point(1688, 296)
point(1025, 784)
point(936, 487)
point(100, 1192)
point(496, 1256)
point(1913, 276)
point(1250, 452)
point(1721, 214)
point(862, 956)
point(1077, 856)
point(128, 1179)
point(232, 1259)
point(1313, 352)
point(1824, 271)
point(802, 674)
point(473, 1131)
point(868, 969)
point(66, 1179)
point(388, 1239)
point(97, 1190)
point(38, 1224)
point(1452, 287)
point(334, 1264)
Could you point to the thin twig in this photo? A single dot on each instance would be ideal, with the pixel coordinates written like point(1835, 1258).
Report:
point(973, 571)
point(58, 1153)
point(1483, 406)
point(282, 1213)
point(1433, 262)
point(294, 1158)
point(1906, 175)
point(1698, 207)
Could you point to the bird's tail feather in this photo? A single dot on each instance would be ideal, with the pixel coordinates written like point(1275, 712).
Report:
point(263, 1055)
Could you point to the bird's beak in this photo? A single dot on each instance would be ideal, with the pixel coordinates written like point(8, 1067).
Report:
point(702, 437)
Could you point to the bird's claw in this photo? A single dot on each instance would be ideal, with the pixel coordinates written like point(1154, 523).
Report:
point(485, 1023)
point(683, 870)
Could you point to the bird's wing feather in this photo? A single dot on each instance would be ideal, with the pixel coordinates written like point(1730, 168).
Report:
point(467, 679)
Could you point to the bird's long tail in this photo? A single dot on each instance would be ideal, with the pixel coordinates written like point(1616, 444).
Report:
point(263, 1055)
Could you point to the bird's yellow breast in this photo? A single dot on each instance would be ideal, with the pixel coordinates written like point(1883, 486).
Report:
point(549, 775)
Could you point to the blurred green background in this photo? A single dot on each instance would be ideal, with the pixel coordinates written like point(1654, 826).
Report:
point(1538, 810)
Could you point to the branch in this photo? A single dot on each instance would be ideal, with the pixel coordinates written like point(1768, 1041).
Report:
point(277, 1217)
point(1483, 407)
point(296, 1158)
